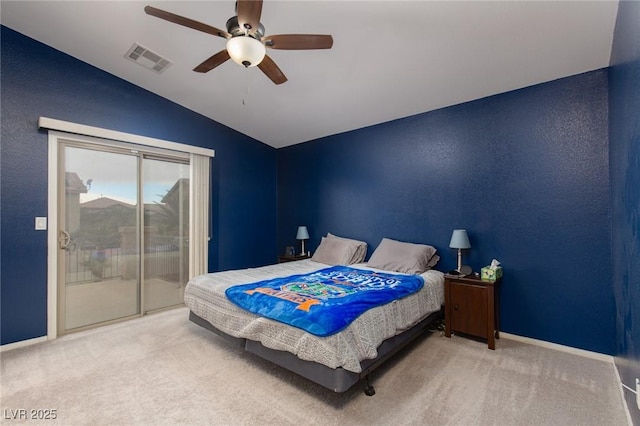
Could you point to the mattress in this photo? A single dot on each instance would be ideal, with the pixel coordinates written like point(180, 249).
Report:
point(205, 297)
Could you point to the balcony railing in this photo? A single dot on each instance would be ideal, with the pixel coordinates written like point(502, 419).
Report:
point(160, 261)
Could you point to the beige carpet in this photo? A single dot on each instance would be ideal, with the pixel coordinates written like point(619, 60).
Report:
point(162, 369)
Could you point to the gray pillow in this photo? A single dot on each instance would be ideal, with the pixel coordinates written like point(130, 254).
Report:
point(334, 251)
point(361, 250)
point(398, 256)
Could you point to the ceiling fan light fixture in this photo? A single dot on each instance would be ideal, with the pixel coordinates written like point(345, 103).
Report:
point(246, 50)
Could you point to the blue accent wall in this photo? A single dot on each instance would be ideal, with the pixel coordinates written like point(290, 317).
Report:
point(36, 81)
point(624, 111)
point(525, 172)
point(544, 179)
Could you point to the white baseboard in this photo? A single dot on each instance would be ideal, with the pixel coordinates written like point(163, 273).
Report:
point(557, 347)
point(23, 343)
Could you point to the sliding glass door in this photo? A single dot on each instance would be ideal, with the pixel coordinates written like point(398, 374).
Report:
point(123, 227)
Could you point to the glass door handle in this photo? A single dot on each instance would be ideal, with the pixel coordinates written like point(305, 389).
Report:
point(64, 239)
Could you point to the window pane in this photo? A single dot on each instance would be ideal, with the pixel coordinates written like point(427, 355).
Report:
point(166, 231)
point(101, 269)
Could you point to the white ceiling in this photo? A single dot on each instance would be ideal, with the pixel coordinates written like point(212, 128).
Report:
point(390, 59)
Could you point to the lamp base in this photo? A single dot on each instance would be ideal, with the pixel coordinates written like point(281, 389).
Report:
point(465, 270)
point(462, 269)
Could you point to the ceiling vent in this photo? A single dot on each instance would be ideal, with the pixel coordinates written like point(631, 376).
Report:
point(147, 58)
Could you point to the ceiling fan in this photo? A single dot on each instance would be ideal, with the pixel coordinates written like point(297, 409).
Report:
point(246, 42)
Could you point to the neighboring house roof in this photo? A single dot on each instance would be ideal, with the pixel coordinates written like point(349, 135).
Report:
point(73, 184)
point(105, 203)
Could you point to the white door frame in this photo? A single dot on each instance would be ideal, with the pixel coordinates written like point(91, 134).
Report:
point(81, 133)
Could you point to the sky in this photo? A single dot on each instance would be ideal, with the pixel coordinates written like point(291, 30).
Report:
point(113, 175)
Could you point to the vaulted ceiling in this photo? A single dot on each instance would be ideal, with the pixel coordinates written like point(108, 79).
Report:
point(390, 59)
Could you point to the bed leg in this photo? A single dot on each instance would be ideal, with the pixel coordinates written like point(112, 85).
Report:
point(368, 389)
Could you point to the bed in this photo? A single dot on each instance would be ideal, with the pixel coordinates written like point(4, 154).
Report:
point(337, 361)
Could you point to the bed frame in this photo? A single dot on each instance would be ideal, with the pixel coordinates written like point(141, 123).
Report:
point(335, 379)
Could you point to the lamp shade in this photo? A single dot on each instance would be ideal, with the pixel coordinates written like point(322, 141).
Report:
point(459, 239)
point(246, 51)
point(303, 234)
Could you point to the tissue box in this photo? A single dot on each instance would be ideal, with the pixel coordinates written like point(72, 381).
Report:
point(489, 274)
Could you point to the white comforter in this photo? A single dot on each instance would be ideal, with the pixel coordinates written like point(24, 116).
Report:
point(205, 296)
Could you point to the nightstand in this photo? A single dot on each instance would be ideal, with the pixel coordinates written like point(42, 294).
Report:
point(289, 258)
point(472, 307)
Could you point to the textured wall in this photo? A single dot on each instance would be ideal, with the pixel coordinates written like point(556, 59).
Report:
point(39, 81)
point(525, 172)
point(624, 107)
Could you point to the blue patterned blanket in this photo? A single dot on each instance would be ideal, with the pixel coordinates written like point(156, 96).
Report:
point(323, 302)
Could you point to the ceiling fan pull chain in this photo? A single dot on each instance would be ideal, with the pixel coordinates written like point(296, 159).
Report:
point(246, 90)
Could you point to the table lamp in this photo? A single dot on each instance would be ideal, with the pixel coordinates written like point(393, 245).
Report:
point(460, 240)
point(302, 235)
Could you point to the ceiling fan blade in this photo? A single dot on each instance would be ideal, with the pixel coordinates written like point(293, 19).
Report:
point(217, 59)
point(271, 70)
point(298, 41)
point(249, 12)
point(186, 22)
